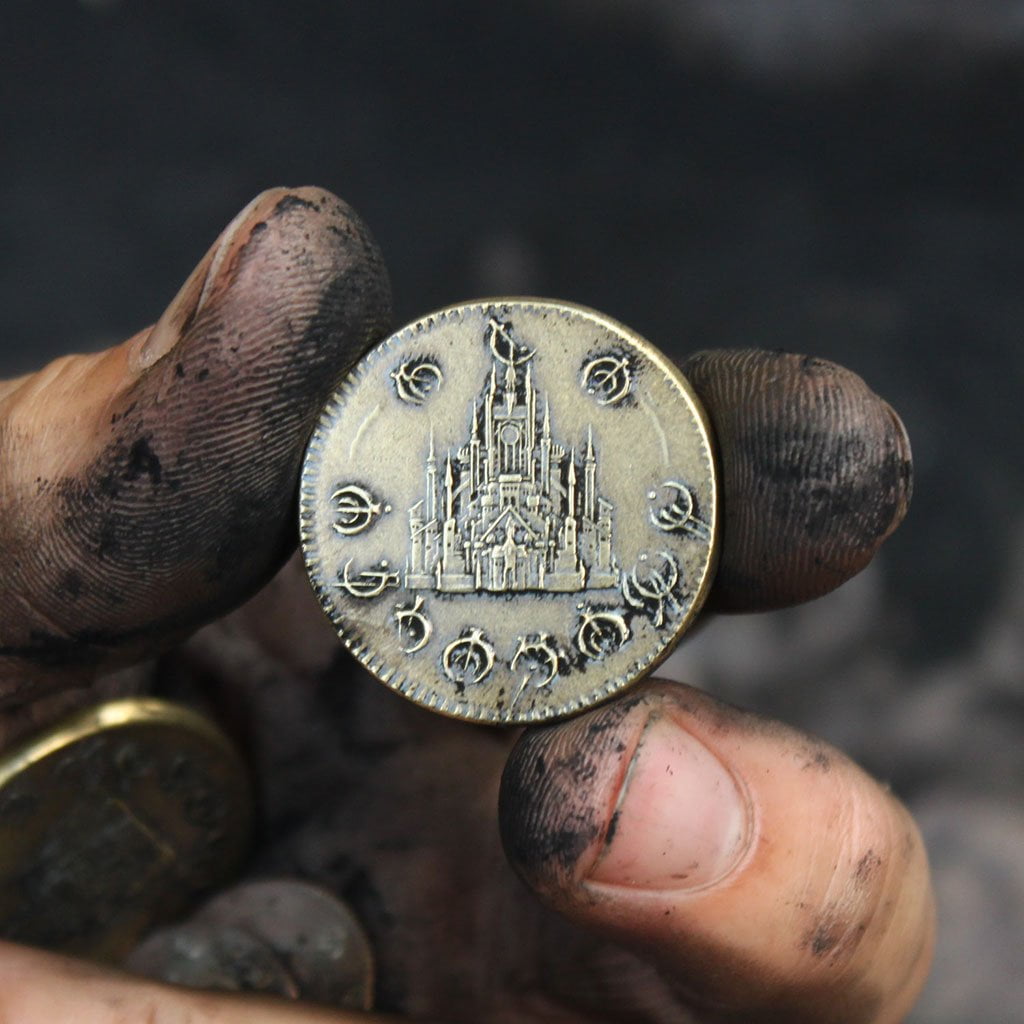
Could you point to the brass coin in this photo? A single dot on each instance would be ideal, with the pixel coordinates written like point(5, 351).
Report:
point(120, 817)
point(508, 509)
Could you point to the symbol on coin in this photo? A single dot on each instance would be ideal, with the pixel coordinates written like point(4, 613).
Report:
point(468, 659)
point(608, 378)
point(543, 654)
point(678, 514)
point(513, 355)
point(356, 509)
point(369, 583)
point(600, 633)
point(412, 623)
point(415, 379)
point(650, 590)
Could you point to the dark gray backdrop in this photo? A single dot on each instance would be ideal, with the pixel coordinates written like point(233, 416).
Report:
point(843, 178)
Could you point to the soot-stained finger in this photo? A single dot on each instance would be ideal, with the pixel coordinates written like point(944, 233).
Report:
point(557, 791)
point(758, 870)
point(815, 474)
point(147, 489)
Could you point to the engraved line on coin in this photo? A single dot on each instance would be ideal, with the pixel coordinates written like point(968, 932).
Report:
point(648, 407)
point(416, 379)
point(166, 853)
point(600, 633)
point(412, 623)
point(469, 659)
point(361, 429)
point(369, 583)
point(355, 509)
point(651, 589)
point(679, 513)
point(512, 509)
point(608, 378)
point(543, 653)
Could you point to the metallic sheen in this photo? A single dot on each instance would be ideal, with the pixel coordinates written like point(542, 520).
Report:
point(116, 819)
point(508, 509)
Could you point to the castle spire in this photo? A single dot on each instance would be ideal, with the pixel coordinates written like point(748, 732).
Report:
point(531, 418)
point(431, 507)
point(571, 497)
point(590, 478)
point(547, 418)
point(449, 482)
point(510, 387)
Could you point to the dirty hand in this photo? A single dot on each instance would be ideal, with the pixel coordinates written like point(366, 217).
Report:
point(690, 861)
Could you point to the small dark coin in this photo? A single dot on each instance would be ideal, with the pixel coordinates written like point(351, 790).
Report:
point(508, 509)
point(316, 936)
point(215, 957)
point(117, 819)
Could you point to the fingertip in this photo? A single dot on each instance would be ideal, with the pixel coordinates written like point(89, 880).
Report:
point(758, 868)
point(815, 472)
point(152, 487)
point(558, 792)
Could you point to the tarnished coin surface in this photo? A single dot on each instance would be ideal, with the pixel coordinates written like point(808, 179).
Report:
point(282, 937)
point(315, 935)
point(213, 957)
point(508, 509)
point(118, 818)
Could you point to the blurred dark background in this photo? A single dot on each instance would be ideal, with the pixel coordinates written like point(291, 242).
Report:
point(844, 179)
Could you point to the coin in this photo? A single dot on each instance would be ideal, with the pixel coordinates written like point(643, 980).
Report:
point(315, 935)
point(281, 937)
point(207, 956)
point(508, 509)
point(119, 817)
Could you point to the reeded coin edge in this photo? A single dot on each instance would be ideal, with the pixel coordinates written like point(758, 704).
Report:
point(422, 693)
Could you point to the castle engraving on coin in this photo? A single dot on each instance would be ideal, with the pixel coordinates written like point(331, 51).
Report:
point(508, 509)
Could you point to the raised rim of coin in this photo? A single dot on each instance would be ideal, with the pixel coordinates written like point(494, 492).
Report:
point(413, 384)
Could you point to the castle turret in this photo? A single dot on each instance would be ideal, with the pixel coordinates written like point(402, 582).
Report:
point(545, 450)
point(474, 454)
point(489, 396)
point(589, 478)
point(430, 510)
point(416, 537)
point(570, 511)
point(531, 411)
point(449, 482)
